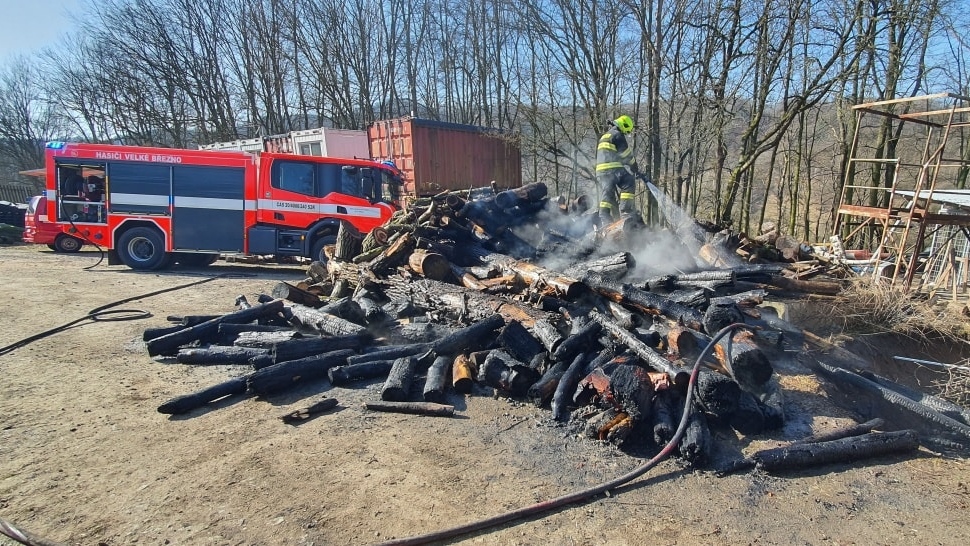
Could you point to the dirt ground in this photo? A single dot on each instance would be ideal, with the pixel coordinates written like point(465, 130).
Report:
point(86, 459)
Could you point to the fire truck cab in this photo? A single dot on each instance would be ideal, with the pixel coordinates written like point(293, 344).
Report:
point(151, 207)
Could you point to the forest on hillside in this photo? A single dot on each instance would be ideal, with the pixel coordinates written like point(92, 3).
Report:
point(743, 107)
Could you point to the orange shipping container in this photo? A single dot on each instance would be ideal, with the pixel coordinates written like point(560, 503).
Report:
point(434, 156)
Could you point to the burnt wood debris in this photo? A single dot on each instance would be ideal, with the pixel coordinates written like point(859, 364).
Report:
point(528, 296)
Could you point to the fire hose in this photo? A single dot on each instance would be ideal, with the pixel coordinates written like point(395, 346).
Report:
point(582, 494)
point(105, 313)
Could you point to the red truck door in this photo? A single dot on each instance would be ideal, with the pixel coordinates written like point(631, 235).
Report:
point(297, 192)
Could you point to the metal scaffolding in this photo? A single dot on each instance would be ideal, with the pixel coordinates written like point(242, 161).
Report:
point(901, 188)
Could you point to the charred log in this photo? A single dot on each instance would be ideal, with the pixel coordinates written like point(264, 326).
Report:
point(219, 354)
point(695, 445)
point(286, 375)
point(614, 267)
point(314, 319)
point(437, 379)
point(351, 373)
point(463, 374)
point(855, 448)
point(744, 360)
point(286, 291)
point(262, 340)
point(414, 408)
point(541, 391)
point(390, 353)
point(345, 308)
point(188, 402)
point(300, 348)
point(503, 372)
point(650, 357)
point(642, 300)
point(157, 332)
point(664, 410)
point(460, 301)
point(168, 344)
point(717, 394)
point(519, 342)
point(398, 384)
point(566, 387)
point(579, 341)
point(466, 338)
point(548, 335)
point(310, 411)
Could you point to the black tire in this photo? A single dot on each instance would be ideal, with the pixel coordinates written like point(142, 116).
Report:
point(67, 244)
point(52, 246)
point(193, 259)
point(143, 248)
point(316, 252)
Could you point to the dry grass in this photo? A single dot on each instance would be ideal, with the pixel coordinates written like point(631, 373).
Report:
point(956, 387)
point(870, 307)
point(874, 307)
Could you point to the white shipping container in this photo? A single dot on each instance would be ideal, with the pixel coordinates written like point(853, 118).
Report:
point(245, 145)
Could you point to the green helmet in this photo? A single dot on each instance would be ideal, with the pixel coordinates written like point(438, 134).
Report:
point(624, 123)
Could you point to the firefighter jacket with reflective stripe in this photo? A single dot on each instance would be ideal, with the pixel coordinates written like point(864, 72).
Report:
point(613, 152)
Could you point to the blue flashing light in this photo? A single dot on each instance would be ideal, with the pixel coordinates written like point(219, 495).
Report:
point(56, 145)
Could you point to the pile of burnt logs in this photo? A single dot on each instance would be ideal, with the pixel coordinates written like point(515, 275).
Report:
point(515, 293)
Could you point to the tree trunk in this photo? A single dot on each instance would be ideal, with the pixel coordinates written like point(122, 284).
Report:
point(349, 242)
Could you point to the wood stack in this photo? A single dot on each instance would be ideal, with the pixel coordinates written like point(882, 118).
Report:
point(520, 294)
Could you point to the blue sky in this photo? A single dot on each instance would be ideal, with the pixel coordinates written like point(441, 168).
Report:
point(26, 26)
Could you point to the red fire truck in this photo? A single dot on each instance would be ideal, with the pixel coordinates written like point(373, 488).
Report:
point(151, 207)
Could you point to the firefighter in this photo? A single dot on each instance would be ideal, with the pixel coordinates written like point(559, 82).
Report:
point(616, 170)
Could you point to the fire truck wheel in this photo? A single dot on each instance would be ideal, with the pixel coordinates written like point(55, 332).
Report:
point(143, 248)
point(317, 253)
point(67, 244)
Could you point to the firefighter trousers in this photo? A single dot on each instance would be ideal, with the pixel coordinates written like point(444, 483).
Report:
point(616, 183)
